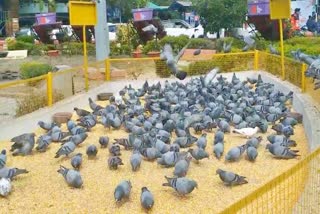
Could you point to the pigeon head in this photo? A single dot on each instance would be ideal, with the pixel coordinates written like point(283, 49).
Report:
point(259, 138)
point(75, 108)
point(144, 189)
point(79, 154)
point(3, 152)
point(40, 123)
point(181, 75)
point(190, 150)
point(218, 171)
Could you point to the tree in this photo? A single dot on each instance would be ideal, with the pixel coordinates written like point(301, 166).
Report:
point(219, 14)
point(125, 7)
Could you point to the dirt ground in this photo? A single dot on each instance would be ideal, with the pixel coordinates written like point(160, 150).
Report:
point(44, 190)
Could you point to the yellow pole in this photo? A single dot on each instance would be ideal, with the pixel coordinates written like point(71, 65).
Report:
point(108, 72)
point(282, 50)
point(256, 59)
point(49, 88)
point(303, 78)
point(85, 58)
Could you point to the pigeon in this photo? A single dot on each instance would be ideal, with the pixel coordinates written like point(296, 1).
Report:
point(46, 126)
point(59, 136)
point(169, 159)
point(66, 149)
point(196, 52)
point(230, 178)
point(23, 145)
point(122, 190)
point(273, 50)
point(202, 141)
point(198, 153)
point(92, 151)
point(281, 139)
point(226, 47)
point(252, 153)
point(114, 149)
point(247, 132)
point(3, 158)
point(5, 187)
point(254, 141)
point(43, 142)
point(282, 152)
point(218, 137)
point(182, 166)
point(146, 198)
point(77, 139)
point(104, 141)
point(135, 160)
point(114, 162)
point(81, 112)
point(150, 153)
point(161, 146)
point(72, 177)
point(218, 149)
point(94, 107)
point(76, 161)
point(235, 153)
point(6, 172)
point(181, 185)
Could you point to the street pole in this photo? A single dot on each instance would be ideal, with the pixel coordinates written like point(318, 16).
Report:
point(102, 32)
point(282, 49)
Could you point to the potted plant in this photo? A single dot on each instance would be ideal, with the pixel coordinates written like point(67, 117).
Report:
point(138, 52)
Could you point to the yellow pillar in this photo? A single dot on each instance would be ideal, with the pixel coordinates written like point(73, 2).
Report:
point(85, 58)
point(303, 77)
point(49, 89)
point(256, 59)
point(108, 71)
point(282, 50)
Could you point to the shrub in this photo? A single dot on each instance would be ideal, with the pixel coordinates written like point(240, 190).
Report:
point(151, 46)
point(26, 39)
point(128, 35)
point(34, 69)
point(202, 43)
point(39, 49)
point(236, 43)
point(19, 45)
point(116, 49)
point(34, 101)
point(76, 48)
point(176, 42)
point(162, 69)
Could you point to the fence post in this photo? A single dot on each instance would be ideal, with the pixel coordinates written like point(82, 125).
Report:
point(256, 59)
point(49, 88)
point(303, 78)
point(107, 73)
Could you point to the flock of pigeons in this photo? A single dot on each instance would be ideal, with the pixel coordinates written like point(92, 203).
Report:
point(240, 107)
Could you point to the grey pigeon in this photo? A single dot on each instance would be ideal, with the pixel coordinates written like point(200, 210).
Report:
point(161, 146)
point(59, 136)
point(46, 126)
point(254, 141)
point(182, 185)
point(95, 107)
point(202, 141)
point(224, 126)
point(146, 198)
point(76, 161)
point(150, 153)
point(230, 178)
point(252, 153)
point(114, 149)
point(184, 142)
point(169, 159)
point(3, 158)
point(226, 47)
point(81, 112)
point(182, 166)
point(273, 50)
point(281, 152)
point(114, 162)
point(174, 147)
point(197, 52)
point(43, 142)
point(218, 137)
point(122, 190)
point(92, 151)
point(104, 141)
point(135, 160)
point(72, 177)
point(6, 172)
point(198, 153)
point(235, 153)
point(125, 142)
point(66, 149)
point(218, 149)
point(23, 145)
point(281, 139)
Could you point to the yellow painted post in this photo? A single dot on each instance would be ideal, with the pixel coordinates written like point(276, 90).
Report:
point(303, 78)
point(49, 89)
point(256, 59)
point(85, 58)
point(108, 71)
point(282, 50)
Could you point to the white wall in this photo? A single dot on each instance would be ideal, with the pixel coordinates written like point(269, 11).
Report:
point(306, 9)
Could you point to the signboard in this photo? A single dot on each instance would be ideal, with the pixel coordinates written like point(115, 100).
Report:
point(280, 9)
point(45, 18)
point(82, 13)
point(258, 7)
point(142, 14)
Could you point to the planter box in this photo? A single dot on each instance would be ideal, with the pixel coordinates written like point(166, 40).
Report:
point(153, 54)
point(53, 53)
point(137, 54)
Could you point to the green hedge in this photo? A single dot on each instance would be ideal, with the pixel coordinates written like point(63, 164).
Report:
point(176, 42)
point(26, 39)
point(34, 69)
point(202, 43)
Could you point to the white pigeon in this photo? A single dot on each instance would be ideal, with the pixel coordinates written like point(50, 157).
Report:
point(210, 76)
point(247, 132)
point(5, 187)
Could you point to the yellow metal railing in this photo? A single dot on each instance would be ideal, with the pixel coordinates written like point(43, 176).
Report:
point(290, 191)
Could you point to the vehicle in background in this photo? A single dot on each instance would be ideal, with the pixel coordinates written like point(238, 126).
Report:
point(24, 31)
point(177, 27)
